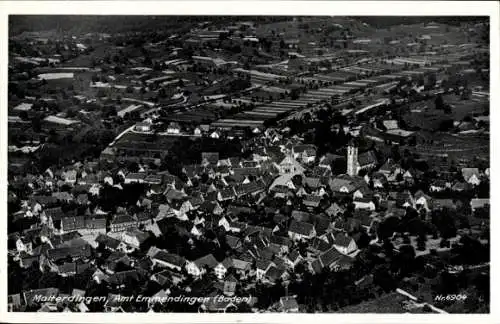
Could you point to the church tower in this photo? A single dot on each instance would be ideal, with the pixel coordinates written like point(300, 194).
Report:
point(352, 158)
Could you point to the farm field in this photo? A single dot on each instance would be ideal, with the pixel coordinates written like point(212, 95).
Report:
point(424, 115)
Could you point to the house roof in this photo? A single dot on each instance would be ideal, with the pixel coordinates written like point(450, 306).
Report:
point(233, 241)
point(55, 213)
point(136, 176)
point(227, 193)
point(337, 183)
point(479, 202)
point(63, 252)
point(274, 273)
point(329, 257)
point(321, 223)
point(227, 263)
point(467, 173)
point(95, 222)
point(208, 260)
point(389, 166)
point(62, 195)
point(122, 219)
point(263, 264)
point(173, 194)
point(316, 266)
point(289, 160)
point(319, 244)
point(460, 186)
point(420, 194)
point(249, 188)
point(313, 183)
point(301, 228)
point(137, 275)
point(288, 303)
point(301, 216)
point(342, 239)
point(108, 241)
point(239, 225)
point(364, 216)
point(43, 200)
point(294, 255)
point(311, 200)
point(303, 147)
point(169, 258)
point(363, 200)
point(241, 264)
point(73, 223)
point(334, 209)
point(246, 171)
point(137, 233)
point(329, 158)
point(209, 206)
point(210, 157)
point(280, 240)
point(367, 158)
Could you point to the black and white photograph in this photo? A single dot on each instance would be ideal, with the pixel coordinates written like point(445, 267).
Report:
point(250, 163)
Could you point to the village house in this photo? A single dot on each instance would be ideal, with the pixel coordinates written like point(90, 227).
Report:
point(222, 268)
point(479, 203)
point(70, 176)
point(142, 127)
point(345, 244)
point(173, 128)
point(172, 261)
point(199, 266)
point(379, 180)
point(134, 178)
point(209, 158)
point(242, 266)
point(108, 242)
point(261, 267)
point(134, 237)
point(471, 176)
point(301, 231)
point(311, 201)
point(343, 185)
point(329, 259)
point(304, 153)
point(422, 200)
point(439, 185)
point(290, 165)
point(364, 203)
point(288, 304)
point(329, 160)
point(275, 273)
point(122, 222)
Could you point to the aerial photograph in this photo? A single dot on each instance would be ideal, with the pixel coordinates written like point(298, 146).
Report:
point(248, 164)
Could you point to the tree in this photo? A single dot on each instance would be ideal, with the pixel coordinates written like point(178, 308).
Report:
point(23, 115)
point(118, 69)
point(388, 247)
point(382, 276)
point(421, 239)
point(444, 222)
point(439, 102)
point(404, 262)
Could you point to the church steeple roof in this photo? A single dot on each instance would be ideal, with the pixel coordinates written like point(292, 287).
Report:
point(353, 142)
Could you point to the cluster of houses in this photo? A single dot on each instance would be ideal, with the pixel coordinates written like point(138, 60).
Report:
point(313, 217)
